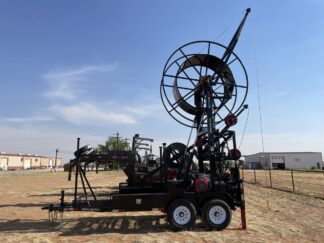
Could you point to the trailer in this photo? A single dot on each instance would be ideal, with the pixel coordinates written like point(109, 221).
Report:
point(200, 179)
point(181, 199)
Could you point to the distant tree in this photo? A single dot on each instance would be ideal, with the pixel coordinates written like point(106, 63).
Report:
point(113, 143)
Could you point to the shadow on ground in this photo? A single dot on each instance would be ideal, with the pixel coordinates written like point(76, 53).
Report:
point(24, 226)
point(95, 225)
point(24, 205)
point(115, 224)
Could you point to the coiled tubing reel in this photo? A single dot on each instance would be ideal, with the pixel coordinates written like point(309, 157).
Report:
point(185, 71)
point(204, 87)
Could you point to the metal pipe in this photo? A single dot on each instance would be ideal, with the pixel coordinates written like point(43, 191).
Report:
point(76, 172)
point(243, 213)
point(146, 139)
point(165, 170)
point(61, 210)
point(161, 168)
point(83, 186)
point(86, 179)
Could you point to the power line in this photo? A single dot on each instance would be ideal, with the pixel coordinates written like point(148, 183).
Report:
point(260, 112)
point(245, 126)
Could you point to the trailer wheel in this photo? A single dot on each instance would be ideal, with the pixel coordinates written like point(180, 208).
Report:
point(181, 214)
point(216, 214)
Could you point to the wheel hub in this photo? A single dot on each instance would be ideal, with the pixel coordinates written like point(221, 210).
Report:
point(182, 215)
point(217, 215)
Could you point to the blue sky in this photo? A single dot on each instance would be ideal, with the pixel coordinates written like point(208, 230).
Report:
point(92, 68)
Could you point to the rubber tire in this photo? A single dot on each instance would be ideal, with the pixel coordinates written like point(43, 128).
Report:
point(205, 214)
point(173, 206)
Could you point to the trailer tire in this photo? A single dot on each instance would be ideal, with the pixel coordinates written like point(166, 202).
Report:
point(181, 214)
point(216, 214)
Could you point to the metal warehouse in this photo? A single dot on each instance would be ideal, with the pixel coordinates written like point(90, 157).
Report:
point(284, 160)
point(26, 161)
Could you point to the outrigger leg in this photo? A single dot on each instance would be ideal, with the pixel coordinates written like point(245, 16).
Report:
point(53, 210)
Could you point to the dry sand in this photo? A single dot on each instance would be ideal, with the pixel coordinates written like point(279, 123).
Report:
point(291, 218)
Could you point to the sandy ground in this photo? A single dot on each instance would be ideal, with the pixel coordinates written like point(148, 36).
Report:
point(291, 218)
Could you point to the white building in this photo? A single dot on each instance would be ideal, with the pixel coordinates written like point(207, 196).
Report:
point(26, 161)
point(284, 160)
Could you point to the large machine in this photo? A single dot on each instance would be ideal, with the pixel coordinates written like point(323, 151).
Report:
point(203, 87)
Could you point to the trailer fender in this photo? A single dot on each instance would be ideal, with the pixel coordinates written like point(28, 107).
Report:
point(221, 196)
point(186, 197)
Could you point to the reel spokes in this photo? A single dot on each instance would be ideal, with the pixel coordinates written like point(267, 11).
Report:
point(187, 71)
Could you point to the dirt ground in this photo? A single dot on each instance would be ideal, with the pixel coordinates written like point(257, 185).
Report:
point(291, 217)
point(305, 183)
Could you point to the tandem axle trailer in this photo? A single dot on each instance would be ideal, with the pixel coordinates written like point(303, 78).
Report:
point(199, 90)
point(182, 200)
point(181, 207)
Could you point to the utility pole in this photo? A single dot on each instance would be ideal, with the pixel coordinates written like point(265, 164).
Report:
point(120, 141)
point(117, 140)
point(127, 143)
point(55, 163)
point(117, 137)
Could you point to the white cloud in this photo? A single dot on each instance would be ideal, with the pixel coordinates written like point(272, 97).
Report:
point(26, 119)
point(145, 110)
point(87, 113)
point(81, 71)
point(282, 93)
point(65, 84)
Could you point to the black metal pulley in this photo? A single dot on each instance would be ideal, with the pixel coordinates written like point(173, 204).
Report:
point(174, 154)
point(230, 120)
point(85, 149)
